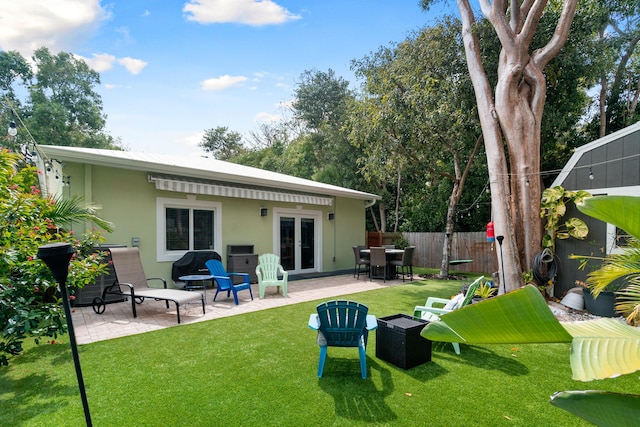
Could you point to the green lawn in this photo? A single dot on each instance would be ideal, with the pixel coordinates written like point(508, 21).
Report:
point(260, 369)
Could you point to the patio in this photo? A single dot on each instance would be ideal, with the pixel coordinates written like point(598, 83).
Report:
point(117, 320)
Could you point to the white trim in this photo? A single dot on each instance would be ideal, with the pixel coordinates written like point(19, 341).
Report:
point(300, 213)
point(162, 202)
point(580, 151)
point(199, 168)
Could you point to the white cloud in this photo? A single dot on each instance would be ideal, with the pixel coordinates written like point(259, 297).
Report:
point(100, 62)
point(134, 66)
point(268, 117)
point(250, 12)
point(58, 25)
point(222, 82)
point(192, 140)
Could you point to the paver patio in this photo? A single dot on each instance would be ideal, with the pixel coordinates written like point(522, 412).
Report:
point(117, 320)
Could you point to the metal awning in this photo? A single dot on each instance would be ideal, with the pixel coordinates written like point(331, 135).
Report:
point(213, 188)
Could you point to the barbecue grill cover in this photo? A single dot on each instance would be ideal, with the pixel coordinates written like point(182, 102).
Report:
point(193, 263)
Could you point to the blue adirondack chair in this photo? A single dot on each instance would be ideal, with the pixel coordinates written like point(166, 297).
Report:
point(342, 324)
point(224, 280)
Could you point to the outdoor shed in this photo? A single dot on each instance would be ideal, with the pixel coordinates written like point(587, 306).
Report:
point(169, 205)
point(606, 166)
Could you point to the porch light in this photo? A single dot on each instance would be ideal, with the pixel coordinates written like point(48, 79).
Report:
point(13, 130)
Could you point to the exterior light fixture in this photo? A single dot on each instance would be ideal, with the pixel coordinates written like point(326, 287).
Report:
point(13, 130)
point(57, 257)
point(591, 174)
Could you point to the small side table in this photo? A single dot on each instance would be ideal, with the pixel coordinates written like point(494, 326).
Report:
point(398, 341)
point(189, 282)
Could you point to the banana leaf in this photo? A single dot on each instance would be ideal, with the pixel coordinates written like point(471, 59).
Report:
point(621, 211)
point(602, 408)
point(601, 348)
point(521, 316)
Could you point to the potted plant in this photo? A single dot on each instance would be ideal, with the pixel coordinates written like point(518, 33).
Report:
point(485, 290)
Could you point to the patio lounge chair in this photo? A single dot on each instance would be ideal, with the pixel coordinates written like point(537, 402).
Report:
point(224, 280)
point(132, 283)
point(271, 273)
point(431, 313)
point(342, 324)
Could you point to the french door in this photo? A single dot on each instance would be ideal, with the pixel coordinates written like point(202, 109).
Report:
point(298, 244)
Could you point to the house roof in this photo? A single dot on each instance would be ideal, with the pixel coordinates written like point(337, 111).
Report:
point(586, 148)
point(198, 168)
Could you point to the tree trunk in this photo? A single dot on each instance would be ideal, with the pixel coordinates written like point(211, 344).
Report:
point(514, 120)
point(456, 194)
point(398, 190)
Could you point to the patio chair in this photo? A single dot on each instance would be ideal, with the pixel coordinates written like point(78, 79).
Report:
point(342, 324)
point(360, 261)
point(432, 314)
point(378, 260)
point(132, 283)
point(271, 273)
point(405, 263)
point(224, 280)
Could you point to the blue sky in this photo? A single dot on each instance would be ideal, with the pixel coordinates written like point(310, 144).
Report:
point(172, 68)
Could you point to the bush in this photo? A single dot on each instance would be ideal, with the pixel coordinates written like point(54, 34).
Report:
point(29, 301)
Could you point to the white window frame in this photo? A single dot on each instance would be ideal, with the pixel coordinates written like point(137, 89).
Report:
point(191, 203)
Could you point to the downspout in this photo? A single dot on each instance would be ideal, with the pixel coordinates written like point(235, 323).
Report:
point(335, 205)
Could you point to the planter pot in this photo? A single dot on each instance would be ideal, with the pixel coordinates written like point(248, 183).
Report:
point(601, 306)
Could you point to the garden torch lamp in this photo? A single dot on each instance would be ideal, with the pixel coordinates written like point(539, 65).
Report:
point(57, 257)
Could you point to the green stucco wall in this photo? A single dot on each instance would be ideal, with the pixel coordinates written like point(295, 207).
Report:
point(128, 200)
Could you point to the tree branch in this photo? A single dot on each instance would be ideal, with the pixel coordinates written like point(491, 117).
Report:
point(542, 56)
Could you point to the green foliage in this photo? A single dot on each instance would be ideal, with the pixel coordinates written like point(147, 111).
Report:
point(29, 302)
point(602, 348)
point(553, 207)
point(222, 143)
point(619, 270)
point(60, 105)
point(485, 290)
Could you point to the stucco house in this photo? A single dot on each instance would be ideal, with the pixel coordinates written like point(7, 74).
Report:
point(168, 205)
point(609, 165)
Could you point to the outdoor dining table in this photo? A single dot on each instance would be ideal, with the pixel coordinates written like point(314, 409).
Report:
point(391, 254)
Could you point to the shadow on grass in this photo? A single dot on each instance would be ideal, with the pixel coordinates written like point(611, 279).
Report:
point(482, 358)
point(354, 398)
point(35, 394)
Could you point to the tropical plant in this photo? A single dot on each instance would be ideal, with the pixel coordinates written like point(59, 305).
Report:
point(603, 348)
point(619, 269)
point(553, 208)
point(485, 289)
point(29, 301)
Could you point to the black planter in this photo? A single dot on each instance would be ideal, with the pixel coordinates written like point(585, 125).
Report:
point(601, 306)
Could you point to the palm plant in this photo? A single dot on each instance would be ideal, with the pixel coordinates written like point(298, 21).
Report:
point(67, 211)
point(624, 266)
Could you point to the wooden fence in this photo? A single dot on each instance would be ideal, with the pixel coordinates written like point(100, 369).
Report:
point(428, 251)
